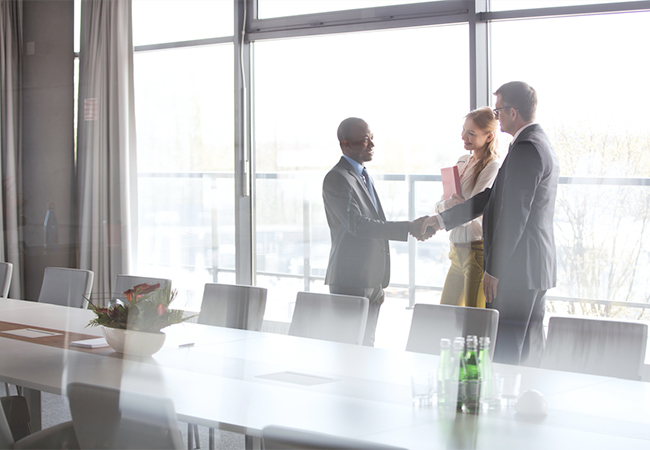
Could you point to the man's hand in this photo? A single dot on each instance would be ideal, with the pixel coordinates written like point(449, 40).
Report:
point(489, 287)
point(430, 226)
point(417, 231)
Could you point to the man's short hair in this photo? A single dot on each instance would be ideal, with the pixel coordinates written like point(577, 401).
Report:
point(520, 96)
point(345, 128)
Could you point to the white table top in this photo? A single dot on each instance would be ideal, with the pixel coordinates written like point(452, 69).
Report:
point(357, 391)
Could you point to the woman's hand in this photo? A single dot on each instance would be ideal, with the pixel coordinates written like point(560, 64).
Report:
point(454, 200)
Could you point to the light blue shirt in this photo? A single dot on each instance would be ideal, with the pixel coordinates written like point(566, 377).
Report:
point(357, 167)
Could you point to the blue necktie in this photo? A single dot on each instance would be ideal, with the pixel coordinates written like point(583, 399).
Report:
point(366, 179)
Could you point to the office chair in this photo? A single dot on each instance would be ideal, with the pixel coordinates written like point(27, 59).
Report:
point(109, 418)
point(596, 346)
point(67, 287)
point(430, 323)
point(330, 317)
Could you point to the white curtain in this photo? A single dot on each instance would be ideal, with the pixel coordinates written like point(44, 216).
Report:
point(11, 42)
point(106, 142)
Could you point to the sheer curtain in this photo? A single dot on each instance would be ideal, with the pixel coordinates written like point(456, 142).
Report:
point(11, 41)
point(106, 141)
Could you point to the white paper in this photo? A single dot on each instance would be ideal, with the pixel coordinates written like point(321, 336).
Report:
point(31, 333)
point(90, 343)
point(297, 378)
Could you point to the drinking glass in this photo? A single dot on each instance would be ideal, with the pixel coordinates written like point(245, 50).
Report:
point(422, 388)
point(508, 386)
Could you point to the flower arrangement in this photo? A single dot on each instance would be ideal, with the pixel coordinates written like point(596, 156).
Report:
point(146, 309)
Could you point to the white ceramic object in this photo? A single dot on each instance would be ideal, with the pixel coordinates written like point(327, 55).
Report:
point(135, 343)
point(531, 403)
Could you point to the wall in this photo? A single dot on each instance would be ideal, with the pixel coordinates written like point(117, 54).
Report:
point(48, 135)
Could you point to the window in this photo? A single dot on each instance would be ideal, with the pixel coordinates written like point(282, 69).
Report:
point(184, 103)
point(592, 104)
point(501, 5)
point(180, 20)
point(278, 8)
point(410, 85)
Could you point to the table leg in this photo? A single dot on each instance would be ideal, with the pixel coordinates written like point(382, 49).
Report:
point(33, 398)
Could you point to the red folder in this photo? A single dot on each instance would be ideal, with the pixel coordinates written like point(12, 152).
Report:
point(450, 181)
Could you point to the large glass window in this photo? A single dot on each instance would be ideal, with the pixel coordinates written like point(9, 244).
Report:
point(501, 5)
point(184, 104)
point(279, 8)
point(593, 105)
point(411, 86)
point(180, 20)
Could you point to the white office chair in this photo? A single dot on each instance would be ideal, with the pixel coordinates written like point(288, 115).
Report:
point(330, 317)
point(108, 418)
point(6, 270)
point(61, 436)
point(430, 323)
point(283, 438)
point(67, 287)
point(596, 346)
point(126, 282)
point(231, 306)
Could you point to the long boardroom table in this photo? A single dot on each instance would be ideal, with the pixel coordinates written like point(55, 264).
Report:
point(243, 381)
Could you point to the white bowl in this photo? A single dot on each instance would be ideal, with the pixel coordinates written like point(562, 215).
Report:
point(136, 343)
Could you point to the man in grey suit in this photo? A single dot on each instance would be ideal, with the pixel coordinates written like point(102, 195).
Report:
point(518, 238)
point(359, 262)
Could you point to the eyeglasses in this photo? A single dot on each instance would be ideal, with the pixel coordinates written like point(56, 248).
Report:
point(496, 111)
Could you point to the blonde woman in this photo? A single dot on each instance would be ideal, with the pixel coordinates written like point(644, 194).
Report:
point(464, 283)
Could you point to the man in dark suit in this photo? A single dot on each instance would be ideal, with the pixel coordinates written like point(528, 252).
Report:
point(359, 262)
point(519, 244)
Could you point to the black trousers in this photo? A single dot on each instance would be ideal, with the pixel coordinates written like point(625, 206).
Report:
point(375, 298)
point(520, 336)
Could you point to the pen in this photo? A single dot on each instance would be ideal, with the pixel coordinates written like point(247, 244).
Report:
point(189, 344)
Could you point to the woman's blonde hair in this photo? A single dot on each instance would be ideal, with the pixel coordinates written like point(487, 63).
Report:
point(484, 119)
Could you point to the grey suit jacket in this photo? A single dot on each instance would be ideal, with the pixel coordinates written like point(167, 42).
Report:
point(518, 238)
point(360, 253)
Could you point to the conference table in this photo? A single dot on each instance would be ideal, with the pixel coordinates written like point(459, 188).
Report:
point(242, 381)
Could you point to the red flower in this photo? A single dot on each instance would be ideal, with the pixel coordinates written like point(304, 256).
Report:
point(162, 309)
point(138, 291)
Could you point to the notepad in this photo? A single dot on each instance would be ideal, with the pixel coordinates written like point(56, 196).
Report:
point(297, 378)
point(90, 343)
point(31, 333)
point(450, 181)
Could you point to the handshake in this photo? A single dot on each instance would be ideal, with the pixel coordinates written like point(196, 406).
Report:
point(424, 227)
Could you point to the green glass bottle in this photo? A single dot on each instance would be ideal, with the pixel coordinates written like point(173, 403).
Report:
point(445, 371)
point(459, 371)
point(489, 396)
point(472, 379)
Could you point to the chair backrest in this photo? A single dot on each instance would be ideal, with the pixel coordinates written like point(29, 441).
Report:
point(6, 269)
point(283, 438)
point(126, 282)
point(6, 438)
point(107, 418)
point(596, 346)
point(430, 323)
point(330, 317)
point(67, 287)
point(233, 306)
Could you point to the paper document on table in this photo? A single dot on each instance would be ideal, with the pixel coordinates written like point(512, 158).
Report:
point(450, 181)
point(31, 333)
point(297, 378)
point(90, 343)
